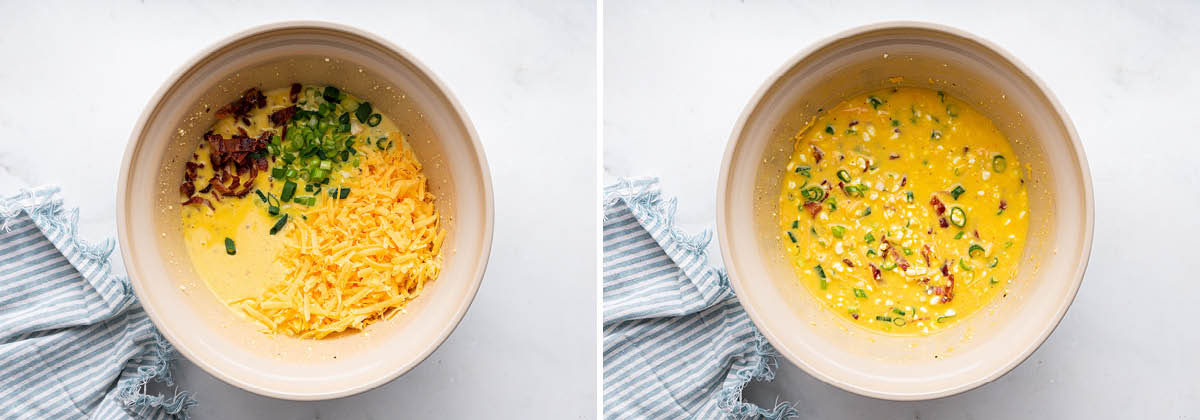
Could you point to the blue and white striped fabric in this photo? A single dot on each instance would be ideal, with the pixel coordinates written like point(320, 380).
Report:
point(677, 344)
point(74, 342)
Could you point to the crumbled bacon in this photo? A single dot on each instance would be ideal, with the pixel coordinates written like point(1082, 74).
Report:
point(903, 180)
point(945, 270)
point(294, 94)
point(190, 168)
point(283, 116)
point(853, 123)
point(943, 223)
point(938, 206)
point(893, 156)
point(187, 189)
point(976, 232)
point(817, 153)
point(875, 272)
point(848, 262)
point(241, 107)
point(866, 164)
point(926, 253)
point(813, 208)
point(216, 184)
point(1003, 205)
point(198, 200)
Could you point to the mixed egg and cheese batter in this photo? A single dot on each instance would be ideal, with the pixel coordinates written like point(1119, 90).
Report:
point(313, 217)
point(904, 210)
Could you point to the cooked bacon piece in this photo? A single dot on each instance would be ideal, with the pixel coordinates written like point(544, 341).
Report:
point(199, 200)
point(187, 189)
point(976, 232)
point(926, 253)
point(942, 222)
point(937, 206)
point(813, 208)
point(1003, 205)
point(234, 150)
point(893, 156)
point(866, 164)
point(189, 172)
point(903, 180)
point(875, 272)
point(848, 262)
point(817, 153)
point(900, 261)
point(294, 94)
point(241, 107)
point(853, 123)
point(216, 184)
point(945, 270)
point(283, 116)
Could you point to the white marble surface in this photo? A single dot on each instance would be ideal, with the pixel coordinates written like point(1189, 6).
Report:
point(677, 75)
point(75, 77)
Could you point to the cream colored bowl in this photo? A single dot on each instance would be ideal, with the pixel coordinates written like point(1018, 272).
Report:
point(981, 347)
point(148, 220)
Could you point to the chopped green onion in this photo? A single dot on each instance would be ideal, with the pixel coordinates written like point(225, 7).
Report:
point(895, 123)
point(838, 231)
point(795, 224)
point(261, 196)
point(332, 94)
point(279, 224)
point(1008, 244)
point(308, 201)
point(941, 96)
point(383, 143)
point(829, 129)
point(812, 193)
point(962, 263)
point(875, 102)
point(888, 265)
point(994, 281)
point(883, 318)
point(958, 217)
point(999, 164)
point(995, 262)
point(318, 174)
point(869, 238)
point(363, 112)
point(804, 171)
point(290, 173)
point(898, 311)
point(792, 236)
point(289, 190)
point(899, 321)
point(908, 251)
point(935, 134)
point(952, 110)
point(820, 271)
point(344, 119)
point(867, 212)
point(326, 165)
point(843, 175)
point(229, 248)
point(343, 192)
point(942, 319)
point(957, 191)
point(870, 252)
point(975, 251)
point(859, 293)
point(959, 235)
point(278, 173)
point(374, 120)
point(910, 196)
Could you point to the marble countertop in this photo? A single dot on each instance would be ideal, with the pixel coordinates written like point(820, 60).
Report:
point(678, 74)
point(75, 78)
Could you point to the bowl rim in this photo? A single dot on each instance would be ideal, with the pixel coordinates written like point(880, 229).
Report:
point(171, 84)
point(727, 251)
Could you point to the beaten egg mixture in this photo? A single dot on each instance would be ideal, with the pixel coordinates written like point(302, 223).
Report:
point(903, 210)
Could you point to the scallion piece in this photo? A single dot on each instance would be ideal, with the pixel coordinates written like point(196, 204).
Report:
point(829, 129)
point(278, 173)
point(995, 262)
point(910, 196)
point(942, 319)
point(908, 252)
point(875, 102)
point(860, 293)
point(289, 190)
point(994, 281)
point(899, 322)
point(343, 192)
point(363, 112)
point(975, 251)
point(279, 224)
point(261, 196)
point(867, 211)
point(957, 191)
point(888, 265)
point(308, 201)
point(838, 231)
point(374, 120)
point(869, 238)
point(935, 135)
point(962, 263)
point(958, 217)
point(804, 171)
point(843, 175)
point(326, 165)
point(883, 318)
point(999, 164)
point(795, 224)
point(792, 236)
point(344, 119)
point(229, 248)
point(899, 311)
point(332, 95)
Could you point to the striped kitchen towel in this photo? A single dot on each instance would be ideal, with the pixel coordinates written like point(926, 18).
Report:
point(74, 342)
point(677, 344)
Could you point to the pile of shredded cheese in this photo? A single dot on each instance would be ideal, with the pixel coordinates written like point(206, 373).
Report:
point(360, 259)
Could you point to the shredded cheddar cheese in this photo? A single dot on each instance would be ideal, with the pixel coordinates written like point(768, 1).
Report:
point(350, 262)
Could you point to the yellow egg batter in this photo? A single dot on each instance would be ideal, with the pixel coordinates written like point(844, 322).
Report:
point(903, 210)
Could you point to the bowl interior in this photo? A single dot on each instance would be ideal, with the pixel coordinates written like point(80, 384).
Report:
point(180, 303)
point(980, 347)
